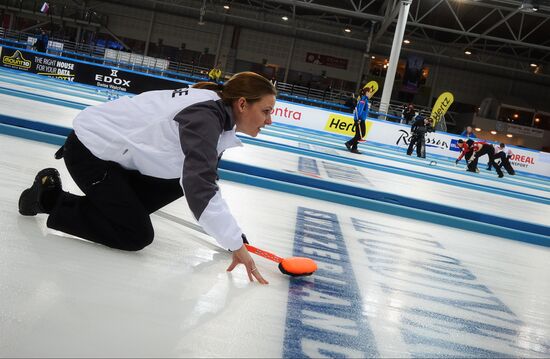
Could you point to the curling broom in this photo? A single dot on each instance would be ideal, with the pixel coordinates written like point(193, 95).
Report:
point(293, 266)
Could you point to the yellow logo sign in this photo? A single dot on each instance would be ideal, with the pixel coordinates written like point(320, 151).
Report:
point(17, 60)
point(373, 86)
point(344, 125)
point(441, 106)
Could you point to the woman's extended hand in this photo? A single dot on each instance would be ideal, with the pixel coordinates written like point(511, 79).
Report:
point(241, 256)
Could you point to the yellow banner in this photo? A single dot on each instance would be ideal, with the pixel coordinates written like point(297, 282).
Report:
point(373, 85)
point(441, 106)
point(344, 125)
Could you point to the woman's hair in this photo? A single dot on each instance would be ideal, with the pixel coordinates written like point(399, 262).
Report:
point(249, 85)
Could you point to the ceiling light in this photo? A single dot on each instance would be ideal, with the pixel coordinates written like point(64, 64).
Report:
point(516, 115)
point(406, 41)
point(509, 135)
point(226, 7)
point(529, 6)
point(468, 52)
point(493, 132)
point(285, 18)
point(537, 119)
point(347, 29)
point(477, 129)
point(373, 57)
point(534, 65)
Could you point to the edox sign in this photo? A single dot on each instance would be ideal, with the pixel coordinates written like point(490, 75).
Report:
point(112, 79)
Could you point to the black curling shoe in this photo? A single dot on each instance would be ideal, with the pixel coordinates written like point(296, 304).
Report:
point(42, 195)
point(348, 146)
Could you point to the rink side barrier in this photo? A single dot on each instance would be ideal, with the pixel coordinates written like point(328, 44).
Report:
point(341, 198)
point(395, 135)
point(45, 82)
point(73, 70)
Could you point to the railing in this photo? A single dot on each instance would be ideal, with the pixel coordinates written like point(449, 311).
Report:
point(136, 59)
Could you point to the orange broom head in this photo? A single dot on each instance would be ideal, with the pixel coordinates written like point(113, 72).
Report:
point(297, 266)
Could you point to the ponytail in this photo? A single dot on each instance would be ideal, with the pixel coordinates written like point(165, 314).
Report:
point(212, 86)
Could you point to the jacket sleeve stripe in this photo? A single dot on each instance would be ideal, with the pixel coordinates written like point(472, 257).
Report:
point(200, 126)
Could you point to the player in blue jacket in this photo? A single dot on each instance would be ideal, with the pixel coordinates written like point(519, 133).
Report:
point(359, 116)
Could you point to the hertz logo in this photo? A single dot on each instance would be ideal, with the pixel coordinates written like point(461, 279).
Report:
point(16, 60)
point(343, 125)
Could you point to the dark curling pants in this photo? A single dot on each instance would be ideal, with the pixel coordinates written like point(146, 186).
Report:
point(359, 132)
point(117, 203)
point(418, 140)
point(504, 162)
point(490, 152)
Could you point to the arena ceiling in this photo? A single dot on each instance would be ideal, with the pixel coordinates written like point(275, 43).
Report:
point(502, 35)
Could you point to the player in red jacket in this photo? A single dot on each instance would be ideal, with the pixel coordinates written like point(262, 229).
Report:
point(466, 147)
point(477, 150)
